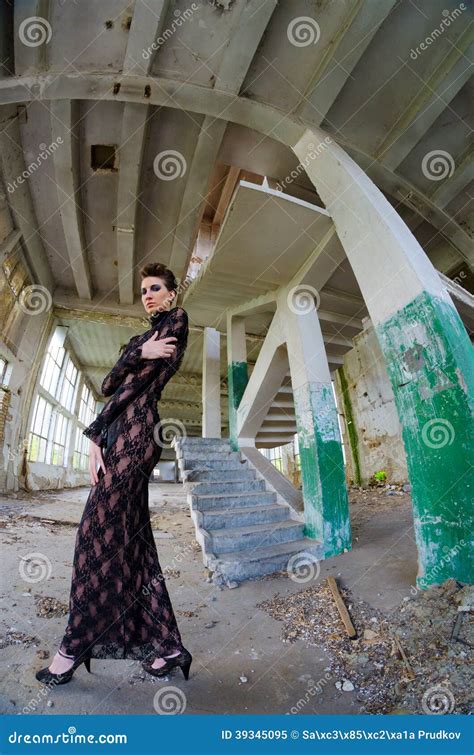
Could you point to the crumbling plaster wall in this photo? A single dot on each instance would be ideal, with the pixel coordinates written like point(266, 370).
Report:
point(370, 426)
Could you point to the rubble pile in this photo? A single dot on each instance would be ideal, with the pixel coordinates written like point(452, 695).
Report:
point(415, 660)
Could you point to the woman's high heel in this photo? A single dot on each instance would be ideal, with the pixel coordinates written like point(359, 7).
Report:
point(47, 677)
point(183, 660)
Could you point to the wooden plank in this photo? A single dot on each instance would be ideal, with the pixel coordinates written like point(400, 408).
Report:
point(343, 612)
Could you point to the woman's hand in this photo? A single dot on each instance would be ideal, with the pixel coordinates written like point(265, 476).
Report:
point(153, 348)
point(95, 458)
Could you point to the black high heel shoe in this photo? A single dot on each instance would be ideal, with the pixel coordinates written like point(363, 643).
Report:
point(47, 677)
point(183, 660)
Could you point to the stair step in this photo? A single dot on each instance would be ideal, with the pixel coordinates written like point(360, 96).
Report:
point(208, 501)
point(241, 515)
point(254, 536)
point(207, 463)
point(215, 475)
point(211, 455)
point(249, 564)
point(220, 487)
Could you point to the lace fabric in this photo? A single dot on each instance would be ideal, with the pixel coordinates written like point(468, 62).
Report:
point(119, 606)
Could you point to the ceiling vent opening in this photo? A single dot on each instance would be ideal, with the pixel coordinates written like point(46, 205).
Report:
point(104, 158)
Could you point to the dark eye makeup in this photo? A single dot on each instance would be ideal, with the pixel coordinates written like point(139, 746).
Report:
point(154, 287)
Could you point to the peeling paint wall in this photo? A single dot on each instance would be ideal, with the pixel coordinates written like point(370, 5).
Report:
point(372, 435)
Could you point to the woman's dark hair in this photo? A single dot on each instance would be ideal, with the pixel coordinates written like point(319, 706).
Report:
point(157, 270)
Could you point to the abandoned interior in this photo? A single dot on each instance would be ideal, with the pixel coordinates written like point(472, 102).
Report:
point(305, 169)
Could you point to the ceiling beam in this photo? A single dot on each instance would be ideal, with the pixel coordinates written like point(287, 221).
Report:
point(431, 99)
point(147, 24)
point(461, 178)
point(130, 151)
point(346, 48)
point(66, 158)
point(32, 33)
point(226, 194)
point(192, 206)
point(148, 21)
point(20, 202)
point(244, 38)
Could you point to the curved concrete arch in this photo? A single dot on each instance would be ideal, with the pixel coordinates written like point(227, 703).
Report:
point(219, 104)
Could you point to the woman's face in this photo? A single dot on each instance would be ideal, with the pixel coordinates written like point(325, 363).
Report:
point(155, 295)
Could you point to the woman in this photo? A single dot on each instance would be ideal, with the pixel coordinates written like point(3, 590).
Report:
point(119, 605)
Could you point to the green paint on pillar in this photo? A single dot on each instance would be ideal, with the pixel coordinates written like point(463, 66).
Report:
point(237, 379)
point(326, 504)
point(350, 424)
point(430, 362)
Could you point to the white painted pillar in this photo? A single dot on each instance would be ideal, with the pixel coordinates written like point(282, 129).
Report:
point(326, 504)
point(211, 384)
point(427, 352)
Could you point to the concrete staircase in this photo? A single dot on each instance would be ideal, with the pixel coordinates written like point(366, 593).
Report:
point(243, 530)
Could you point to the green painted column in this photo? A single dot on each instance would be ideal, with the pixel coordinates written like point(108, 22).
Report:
point(326, 506)
point(237, 371)
point(427, 353)
point(430, 362)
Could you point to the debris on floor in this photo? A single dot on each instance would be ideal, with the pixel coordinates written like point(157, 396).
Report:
point(50, 608)
point(406, 661)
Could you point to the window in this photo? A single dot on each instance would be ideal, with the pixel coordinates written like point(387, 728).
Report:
point(274, 455)
point(297, 452)
point(87, 406)
point(53, 411)
point(80, 456)
point(3, 370)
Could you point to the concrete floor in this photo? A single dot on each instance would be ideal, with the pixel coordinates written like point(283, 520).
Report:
point(228, 636)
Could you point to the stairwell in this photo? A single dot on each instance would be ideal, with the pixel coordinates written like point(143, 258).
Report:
point(243, 530)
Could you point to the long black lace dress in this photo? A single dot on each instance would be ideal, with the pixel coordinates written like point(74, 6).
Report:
point(119, 604)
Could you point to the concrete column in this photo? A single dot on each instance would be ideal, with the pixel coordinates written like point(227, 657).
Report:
point(211, 384)
point(325, 498)
point(427, 353)
point(237, 371)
